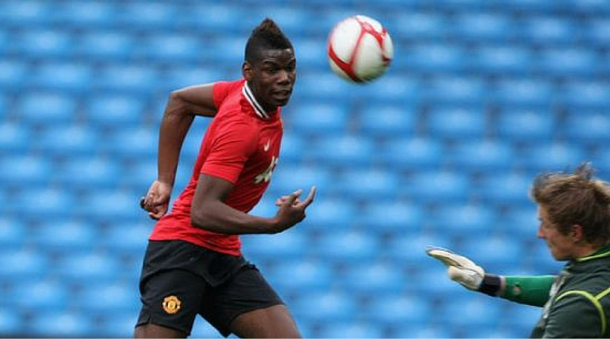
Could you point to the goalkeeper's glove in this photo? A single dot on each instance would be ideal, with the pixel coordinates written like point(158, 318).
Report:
point(465, 272)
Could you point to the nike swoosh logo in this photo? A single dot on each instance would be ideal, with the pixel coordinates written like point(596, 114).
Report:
point(266, 147)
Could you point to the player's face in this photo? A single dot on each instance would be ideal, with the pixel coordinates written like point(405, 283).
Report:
point(562, 246)
point(272, 78)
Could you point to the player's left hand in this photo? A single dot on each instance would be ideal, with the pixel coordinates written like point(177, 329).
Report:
point(156, 200)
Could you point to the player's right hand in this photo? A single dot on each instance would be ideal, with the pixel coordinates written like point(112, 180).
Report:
point(156, 200)
point(459, 268)
point(291, 209)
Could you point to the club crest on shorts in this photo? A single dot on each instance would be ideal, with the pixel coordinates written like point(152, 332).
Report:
point(171, 304)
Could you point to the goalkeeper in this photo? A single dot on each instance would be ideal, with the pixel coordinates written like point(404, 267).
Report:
point(574, 213)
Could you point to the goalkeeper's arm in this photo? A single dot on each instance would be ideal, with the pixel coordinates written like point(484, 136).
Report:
point(530, 290)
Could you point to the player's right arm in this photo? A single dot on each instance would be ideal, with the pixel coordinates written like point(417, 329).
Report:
point(529, 290)
point(210, 212)
point(182, 107)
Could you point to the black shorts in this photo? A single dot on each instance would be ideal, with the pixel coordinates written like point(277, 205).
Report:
point(180, 280)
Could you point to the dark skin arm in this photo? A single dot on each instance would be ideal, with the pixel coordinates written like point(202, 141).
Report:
point(182, 107)
point(210, 212)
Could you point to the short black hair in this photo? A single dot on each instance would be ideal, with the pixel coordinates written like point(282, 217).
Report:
point(267, 35)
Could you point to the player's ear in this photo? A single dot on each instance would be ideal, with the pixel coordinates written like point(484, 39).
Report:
point(576, 232)
point(246, 71)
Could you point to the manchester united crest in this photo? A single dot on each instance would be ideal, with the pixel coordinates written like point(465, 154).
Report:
point(171, 304)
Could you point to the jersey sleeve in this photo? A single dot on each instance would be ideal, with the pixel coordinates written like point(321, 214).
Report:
point(221, 90)
point(574, 315)
point(529, 290)
point(230, 150)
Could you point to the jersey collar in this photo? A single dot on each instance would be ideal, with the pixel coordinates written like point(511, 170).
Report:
point(258, 109)
point(603, 252)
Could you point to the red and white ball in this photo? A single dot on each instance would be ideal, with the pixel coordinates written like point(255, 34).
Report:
point(359, 49)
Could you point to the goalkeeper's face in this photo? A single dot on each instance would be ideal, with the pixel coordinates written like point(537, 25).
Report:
point(562, 246)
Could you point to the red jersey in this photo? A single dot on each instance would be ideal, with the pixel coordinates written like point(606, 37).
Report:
point(241, 145)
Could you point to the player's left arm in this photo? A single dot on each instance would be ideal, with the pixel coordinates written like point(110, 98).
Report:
point(576, 315)
point(182, 107)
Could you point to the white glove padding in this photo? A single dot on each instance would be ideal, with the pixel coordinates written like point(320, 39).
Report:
point(460, 269)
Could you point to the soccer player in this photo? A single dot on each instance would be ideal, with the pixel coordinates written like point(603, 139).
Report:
point(193, 263)
point(574, 214)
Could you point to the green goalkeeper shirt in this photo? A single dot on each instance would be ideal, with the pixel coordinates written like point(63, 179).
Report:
point(576, 302)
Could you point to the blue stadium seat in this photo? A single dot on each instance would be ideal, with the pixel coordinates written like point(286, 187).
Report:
point(44, 203)
point(505, 189)
point(585, 94)
point(455, 91)
point(588, 127)
point(11, 321)
point(88, 172)
point(374, 279)
point(65, 236)
point(136, 142)
point(43, 295)
point(24, 265)
point(341, 150)
point(346, 246)
point(12, 232)
point(481, 156)
point(61, 324)
point(324, 305)
point(181, 76)
point(24, 170)
point(562, 61)
point(435, 58)
point(551, 157)
point(352, 329)
point(153, 16)
point(288, 178)
point(170, 48)
point(547, 30)
point(71, 78)
point(47, 108)
point(288, 245)
point(474, 310)
point(400, 310)
point(454, 122)
point(368, 184)
point(437, 186)
point(462, 219)
point(310, 53)
point(42, 43)
point(318, 119)
point(103, 298)
point(122, 325)
point(25, 13)
point(508, 59)
point(407, 249)
point(105, 45)
point(409, 153)
point(127, 79)
point(387, 121)
point(595, 31)
point(391, 216)
point(202, 329)
point(520, 220)
point(527, 125)
point(390, 89)
point(113, 110)
point(301, 276)
point(482, 27)
point(499, 254)
point(219, 17)
point(109, 205)
point(522, 92)
point(323, 87)
point(88, 15)
point(331, 213)
point(14, 139)
point(68, 140)
point(13, 75)
point(420, 25)
point(87, 268)
point(127, 237)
